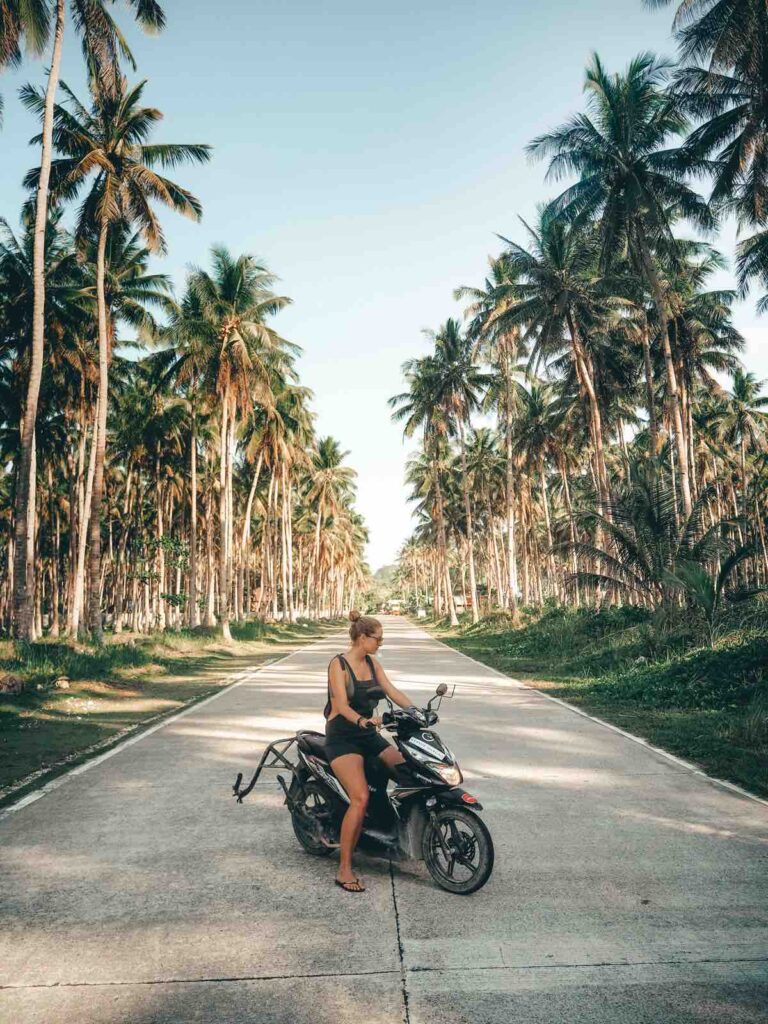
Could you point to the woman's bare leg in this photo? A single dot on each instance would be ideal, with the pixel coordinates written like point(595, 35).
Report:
point(350, 772)
point(391, 757)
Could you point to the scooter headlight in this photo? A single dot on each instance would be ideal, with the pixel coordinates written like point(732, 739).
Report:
point(448, 772)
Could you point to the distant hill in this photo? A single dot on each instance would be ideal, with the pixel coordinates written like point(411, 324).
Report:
point(385, 574)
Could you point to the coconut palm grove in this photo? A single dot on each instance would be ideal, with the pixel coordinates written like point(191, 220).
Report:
point(383, 512)
point(588, 449)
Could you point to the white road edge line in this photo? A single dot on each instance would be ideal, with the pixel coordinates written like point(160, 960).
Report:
point(238, 679)
point(692, 768)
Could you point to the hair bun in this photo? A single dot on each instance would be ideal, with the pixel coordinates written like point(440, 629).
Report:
point(354, 615)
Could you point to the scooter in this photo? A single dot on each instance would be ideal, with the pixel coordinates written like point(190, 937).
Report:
point(426, 816)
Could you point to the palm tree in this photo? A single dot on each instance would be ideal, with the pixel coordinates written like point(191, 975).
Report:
point(226, 344)
point(744, 423)
point(102, 43)
point(424, 474)
point(106, 144)
point(632, 185)
point(486, 469)
point(458, 385)
point(24, 24)
point(724, 85)
point(653, 554)
point(534, 431)
point(330, 483)
point(561, 296)
point(419, 409)
point(286, 434)
point(501, 345)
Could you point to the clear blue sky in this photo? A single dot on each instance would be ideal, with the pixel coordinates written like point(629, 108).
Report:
point(369, 155)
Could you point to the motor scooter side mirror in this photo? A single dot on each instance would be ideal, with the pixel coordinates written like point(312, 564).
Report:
point(440, 692)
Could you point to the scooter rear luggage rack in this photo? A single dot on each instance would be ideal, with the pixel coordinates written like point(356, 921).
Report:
point(278, 750)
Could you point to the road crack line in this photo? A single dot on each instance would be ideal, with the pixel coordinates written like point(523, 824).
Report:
point(403, 973)
point(199, 981)
point(597, 963)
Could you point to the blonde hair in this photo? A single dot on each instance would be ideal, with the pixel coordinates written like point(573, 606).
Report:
point(362, 625)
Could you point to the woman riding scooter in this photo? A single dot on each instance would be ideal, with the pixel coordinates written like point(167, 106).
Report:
point(351, 728)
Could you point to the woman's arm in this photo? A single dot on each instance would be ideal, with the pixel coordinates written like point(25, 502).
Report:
point(339, 702)
point(395, 695)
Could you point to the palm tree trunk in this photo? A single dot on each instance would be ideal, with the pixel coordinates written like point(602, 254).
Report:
point(494, 554)
point(78, 597)
point(223, 519)
point(32, 539)
point(743, 468)
point(548, 524)
point(470, 531)
point(94, 582)
point(161, 587)
point(120, 585)
point(210, 597)
point(664, 317)
point(650, 399)
point(312, 569)
point(283, 547)
point(289, 548)
point(55, 627)
point(585, 375)
point(571, 528)
point(193, 611)
point(444, 551)
point(23, 552)
point(512, 582)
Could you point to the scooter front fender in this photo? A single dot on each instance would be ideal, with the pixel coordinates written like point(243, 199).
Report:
point(455, 795)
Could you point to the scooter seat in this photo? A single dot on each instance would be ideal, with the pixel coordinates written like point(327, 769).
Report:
point(312, 743)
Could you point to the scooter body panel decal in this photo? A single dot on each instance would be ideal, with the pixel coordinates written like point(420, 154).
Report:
point(324, 773)
point(435, 753)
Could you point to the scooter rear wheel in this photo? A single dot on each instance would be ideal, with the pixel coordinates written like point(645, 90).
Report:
point(312, 817)
point(458, 850)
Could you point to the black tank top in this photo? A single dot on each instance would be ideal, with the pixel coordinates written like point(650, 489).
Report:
point(367, 692)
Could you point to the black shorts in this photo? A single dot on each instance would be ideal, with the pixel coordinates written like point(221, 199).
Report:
point(342, 737)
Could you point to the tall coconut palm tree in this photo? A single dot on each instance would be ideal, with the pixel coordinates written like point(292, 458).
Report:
point(744, 422)
point(419, 408)
point(633, 185)
point(501, 345)
point(458, 386)
point(103, 147)
point(486, 468)
point(723, 84)
point(560, 296)
point(534, 434)
point(102, 43)
point(226, 344)
point(330, 483)
point(425, 473)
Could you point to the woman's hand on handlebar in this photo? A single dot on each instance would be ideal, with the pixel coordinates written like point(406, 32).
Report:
point(370, 723)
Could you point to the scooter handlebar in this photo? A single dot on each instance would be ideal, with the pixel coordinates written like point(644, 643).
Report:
point(424, 716)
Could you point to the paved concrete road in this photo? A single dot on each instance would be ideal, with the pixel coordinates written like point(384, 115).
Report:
point(626, 888)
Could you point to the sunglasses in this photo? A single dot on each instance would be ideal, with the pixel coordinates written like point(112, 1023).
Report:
point(378, 639)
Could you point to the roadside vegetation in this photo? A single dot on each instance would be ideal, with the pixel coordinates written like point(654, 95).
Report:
point(159, 463)
point(76, 699)
point(590, 472)
point(656, 676)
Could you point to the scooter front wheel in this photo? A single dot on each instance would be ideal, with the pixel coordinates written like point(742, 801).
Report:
point(458, 850)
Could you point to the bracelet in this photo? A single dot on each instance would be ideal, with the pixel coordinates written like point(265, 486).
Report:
point(359, 720)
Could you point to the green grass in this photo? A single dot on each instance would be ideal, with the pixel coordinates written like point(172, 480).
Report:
point(648, 676)
point(128, 683)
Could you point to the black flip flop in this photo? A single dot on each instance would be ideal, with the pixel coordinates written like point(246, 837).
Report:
point(345, 885)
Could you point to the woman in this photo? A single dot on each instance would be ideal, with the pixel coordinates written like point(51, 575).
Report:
point(350, 731)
